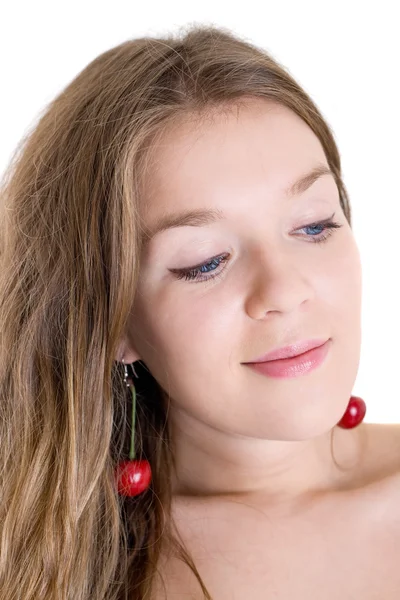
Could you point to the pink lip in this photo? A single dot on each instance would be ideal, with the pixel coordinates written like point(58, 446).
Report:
point(294, 366)
point(289, 351)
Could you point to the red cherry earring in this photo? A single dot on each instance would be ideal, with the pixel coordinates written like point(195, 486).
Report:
point(132, 476)
point(355, 413)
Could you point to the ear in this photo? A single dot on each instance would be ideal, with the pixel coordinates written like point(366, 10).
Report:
point(126, 352)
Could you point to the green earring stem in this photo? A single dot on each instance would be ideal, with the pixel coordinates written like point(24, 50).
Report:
point(132, 448)
point(133, 476)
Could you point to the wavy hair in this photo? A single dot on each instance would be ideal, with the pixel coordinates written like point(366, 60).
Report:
point(70, 241)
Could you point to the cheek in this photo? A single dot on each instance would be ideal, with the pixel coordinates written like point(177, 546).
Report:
point(194, 330)
point(346, 282)
point(344, 309)
point(176, 337)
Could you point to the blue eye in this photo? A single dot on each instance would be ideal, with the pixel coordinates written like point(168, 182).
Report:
point(194, 273)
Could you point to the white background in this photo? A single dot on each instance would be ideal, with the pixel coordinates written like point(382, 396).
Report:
point(345, 54)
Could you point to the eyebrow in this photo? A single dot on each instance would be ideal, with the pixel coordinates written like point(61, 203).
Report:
point(206, 216)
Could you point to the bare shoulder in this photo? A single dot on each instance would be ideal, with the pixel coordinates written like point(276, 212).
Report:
point(367, 516)
point(173, 581)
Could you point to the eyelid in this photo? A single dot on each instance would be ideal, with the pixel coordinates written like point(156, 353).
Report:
point(311, 224)
point(328, 225)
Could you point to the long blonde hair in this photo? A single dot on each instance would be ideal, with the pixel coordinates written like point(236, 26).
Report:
point(70, 243)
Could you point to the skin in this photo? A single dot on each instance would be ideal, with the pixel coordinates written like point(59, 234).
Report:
point(236, 432)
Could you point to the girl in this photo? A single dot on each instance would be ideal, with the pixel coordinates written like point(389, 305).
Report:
point(180, 314)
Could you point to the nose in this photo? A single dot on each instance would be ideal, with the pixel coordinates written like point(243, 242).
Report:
point(277, 284)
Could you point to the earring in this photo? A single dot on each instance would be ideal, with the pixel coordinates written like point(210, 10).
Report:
point(132, 476)
point(355, 413)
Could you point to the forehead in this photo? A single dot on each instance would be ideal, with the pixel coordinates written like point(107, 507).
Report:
point(208, 160)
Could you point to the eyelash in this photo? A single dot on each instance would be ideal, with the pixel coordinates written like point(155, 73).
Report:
point(193, 273)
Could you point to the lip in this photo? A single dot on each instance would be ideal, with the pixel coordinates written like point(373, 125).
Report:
point(294, 366)
point(289, 351)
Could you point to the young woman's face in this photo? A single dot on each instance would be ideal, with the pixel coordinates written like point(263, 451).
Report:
point(265, 283)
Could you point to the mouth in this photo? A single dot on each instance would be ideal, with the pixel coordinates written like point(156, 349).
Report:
point(294, 350)
point(293, 366)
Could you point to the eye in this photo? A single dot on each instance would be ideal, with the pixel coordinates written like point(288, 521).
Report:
point(327, 227)
point(195, 272)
